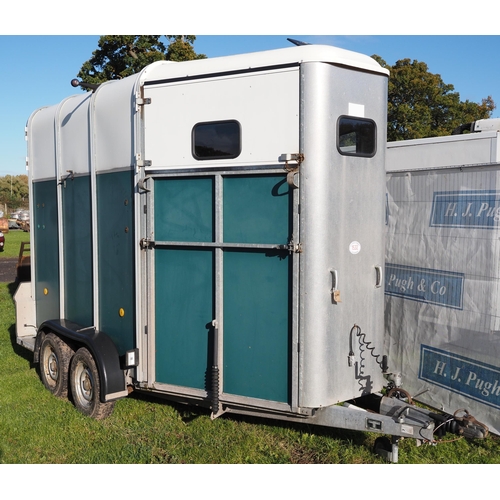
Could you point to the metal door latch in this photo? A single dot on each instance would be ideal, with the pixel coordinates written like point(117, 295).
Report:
point(146, 243)
point(291, 247)
point(296, 159)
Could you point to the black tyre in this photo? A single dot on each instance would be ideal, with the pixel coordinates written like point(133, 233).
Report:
point(85, 386)
point(55, 357)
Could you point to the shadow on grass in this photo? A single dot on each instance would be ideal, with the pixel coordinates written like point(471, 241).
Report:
point(20, 351)
point(189, 412)
point(12, 287)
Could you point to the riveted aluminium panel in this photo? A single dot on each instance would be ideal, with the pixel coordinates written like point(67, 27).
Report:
point(342, 217)
point(265, 105)
point(74, 135)
point(41, 144)
point(113, 115)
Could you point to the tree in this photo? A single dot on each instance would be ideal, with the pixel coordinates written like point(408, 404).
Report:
point(119, 56)
point(420, 104)
point(14, 190)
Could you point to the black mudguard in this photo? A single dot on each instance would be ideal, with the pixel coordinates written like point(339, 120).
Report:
point(101, 347)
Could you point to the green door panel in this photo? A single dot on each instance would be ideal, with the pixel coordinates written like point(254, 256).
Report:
point(256, 209)
point(255, 297)
point(184, 312)
point(184, 209)
point(47, 250)
point(115, 233)
point(256, 324)
point(77, 231)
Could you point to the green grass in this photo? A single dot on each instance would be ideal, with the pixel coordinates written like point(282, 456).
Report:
point(37, 428)
point(13, 241)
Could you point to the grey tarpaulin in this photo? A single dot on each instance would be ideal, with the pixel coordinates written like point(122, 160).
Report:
point(442, 275)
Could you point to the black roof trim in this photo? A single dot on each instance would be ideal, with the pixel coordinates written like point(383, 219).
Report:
point(222, 73)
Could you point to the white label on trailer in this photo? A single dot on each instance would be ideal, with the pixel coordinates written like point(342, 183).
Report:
point(407, 429)
point(355, 247)
point(356, 109)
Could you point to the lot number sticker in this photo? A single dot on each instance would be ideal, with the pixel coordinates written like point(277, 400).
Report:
point(355, 247)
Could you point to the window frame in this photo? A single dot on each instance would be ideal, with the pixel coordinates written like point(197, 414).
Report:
point(215, 157)
point(356, 153)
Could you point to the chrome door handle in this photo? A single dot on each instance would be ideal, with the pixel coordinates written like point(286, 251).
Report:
point(378, 276)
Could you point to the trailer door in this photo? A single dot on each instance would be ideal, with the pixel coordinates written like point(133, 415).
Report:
point(234, 288)
point(220, 221)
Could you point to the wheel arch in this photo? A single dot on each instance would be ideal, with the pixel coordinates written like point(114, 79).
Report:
point(100, 345)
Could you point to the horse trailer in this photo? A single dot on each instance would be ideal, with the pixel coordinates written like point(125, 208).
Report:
point(212, 232)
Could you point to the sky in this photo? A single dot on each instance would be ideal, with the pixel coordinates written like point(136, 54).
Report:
point(38, 61)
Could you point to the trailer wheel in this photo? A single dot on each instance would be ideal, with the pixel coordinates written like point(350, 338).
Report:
point(85, 386)
point(55, 356)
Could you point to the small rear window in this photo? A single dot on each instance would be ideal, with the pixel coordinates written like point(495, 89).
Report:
point(216, 140)
point(356, 136)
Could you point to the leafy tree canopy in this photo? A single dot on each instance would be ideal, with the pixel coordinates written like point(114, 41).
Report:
point(119, 56)
point(13, 190)
point(420, 104)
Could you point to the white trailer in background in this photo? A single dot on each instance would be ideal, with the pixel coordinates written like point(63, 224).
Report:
point(442, 281)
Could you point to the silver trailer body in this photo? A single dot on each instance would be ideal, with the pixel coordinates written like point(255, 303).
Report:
point(217, 226)
point(442, 271)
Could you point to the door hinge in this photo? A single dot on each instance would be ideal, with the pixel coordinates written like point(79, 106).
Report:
point(297, 158)
point(140, 162)
point(143, 101)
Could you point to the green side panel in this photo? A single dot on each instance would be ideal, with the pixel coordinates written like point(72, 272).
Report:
point(256, 209)
point(184, 209)
point(115, 226)
point(77, 231)
point(257, 325)
point(46, 242)
point(184, 312)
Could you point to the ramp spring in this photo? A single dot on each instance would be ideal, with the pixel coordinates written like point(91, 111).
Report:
point(215, 390)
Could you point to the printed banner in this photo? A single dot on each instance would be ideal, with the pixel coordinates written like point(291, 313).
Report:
point(471, 209)
point(431, 286)
point(461, 375)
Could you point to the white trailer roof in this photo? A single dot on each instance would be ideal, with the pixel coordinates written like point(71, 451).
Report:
point(244, 62)
point(110, 110)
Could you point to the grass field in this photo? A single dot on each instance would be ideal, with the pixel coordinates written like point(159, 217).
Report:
point(37, 428)
point(13, 241)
